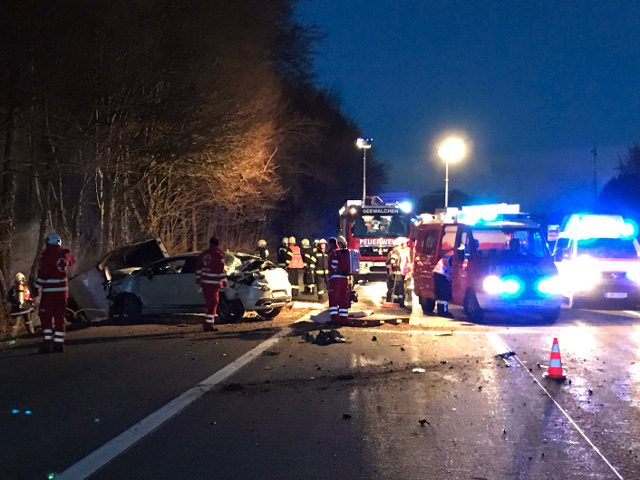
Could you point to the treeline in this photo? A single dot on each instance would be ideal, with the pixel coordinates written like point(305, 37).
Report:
point(125, 119)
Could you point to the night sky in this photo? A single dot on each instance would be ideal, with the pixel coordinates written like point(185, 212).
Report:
point(533, 85)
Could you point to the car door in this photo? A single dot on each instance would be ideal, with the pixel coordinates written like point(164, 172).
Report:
point(191, 298)
point(426, 247)
point(459, 262)
point(159, 286)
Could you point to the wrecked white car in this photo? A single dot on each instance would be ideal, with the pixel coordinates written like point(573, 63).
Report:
point(169, 286)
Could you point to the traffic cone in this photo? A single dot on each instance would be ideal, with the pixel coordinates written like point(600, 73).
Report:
point(555, 363)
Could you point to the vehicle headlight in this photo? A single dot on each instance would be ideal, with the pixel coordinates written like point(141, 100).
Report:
point(584, 279)
point(634, 275)
point(549, 286)
point(507, 286)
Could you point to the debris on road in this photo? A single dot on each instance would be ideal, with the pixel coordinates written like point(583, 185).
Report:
point(423, 421)
point(444, 334)
point(506, 355)
point(232, 387)
point(270, 352)
point(324, 337)
point(418, 370)
point(346, 416)
point(374, 338)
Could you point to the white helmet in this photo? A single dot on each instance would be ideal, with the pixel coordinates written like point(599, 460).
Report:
point(20, 278)
point(285, 240)
point(262, 243)
point(341, 240)
point(292, 240)
point(53, 239)
point(305, 243)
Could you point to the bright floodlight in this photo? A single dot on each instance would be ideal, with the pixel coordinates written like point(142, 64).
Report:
point(452, 150)
point(405, 207)
point(364, 142)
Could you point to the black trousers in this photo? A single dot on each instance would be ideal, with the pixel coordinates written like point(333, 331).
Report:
point(442, 287)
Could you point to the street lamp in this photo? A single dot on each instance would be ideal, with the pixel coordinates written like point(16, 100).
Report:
point(364, 144)
point(451, 150)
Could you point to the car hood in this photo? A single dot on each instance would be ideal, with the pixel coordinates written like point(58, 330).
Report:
point(136, 255)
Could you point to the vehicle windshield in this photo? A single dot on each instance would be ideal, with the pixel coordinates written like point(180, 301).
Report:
point(379, 225)
point(607, 248)
point(510, 243)
point(236, 262)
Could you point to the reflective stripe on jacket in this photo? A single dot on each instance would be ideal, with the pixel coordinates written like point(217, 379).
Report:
point(210, 267)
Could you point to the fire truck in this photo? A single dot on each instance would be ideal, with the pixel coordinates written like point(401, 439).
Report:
point(371, 229)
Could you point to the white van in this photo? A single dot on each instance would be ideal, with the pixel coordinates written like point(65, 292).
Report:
point(598, 260)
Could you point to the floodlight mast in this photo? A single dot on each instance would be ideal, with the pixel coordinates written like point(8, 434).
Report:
point(364, 144)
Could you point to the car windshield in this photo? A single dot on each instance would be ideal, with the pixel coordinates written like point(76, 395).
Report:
point(607, 248)
point(378, 225)
point(525, 242)
point(242, 262)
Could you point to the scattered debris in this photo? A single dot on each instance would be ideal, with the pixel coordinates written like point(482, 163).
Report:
point(374, 338)
point(444, 334)
point(504, 431)
point(506, 355)
point(402, 348)
point(590, 392)
point(345, 377)
point(443, 362)
point(418, 370)
point(423, 421)
point(270, 352)
point(346, 416)
point(324, 337)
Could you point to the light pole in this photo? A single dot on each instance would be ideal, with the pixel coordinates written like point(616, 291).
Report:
point(451, 150)
point(364, 144)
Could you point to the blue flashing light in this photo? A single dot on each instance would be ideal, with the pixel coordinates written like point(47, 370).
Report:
point(15, 410)
point(506, 286)
point(27, 412)
point(599, 226)
point(406, 207)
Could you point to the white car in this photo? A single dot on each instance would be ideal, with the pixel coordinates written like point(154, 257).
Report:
point(169, 286)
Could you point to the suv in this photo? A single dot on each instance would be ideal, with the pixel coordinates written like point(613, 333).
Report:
point(487, 276)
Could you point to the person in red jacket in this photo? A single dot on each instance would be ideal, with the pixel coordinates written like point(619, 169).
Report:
point(211, 277)
point(339, 292)
point(52, 280)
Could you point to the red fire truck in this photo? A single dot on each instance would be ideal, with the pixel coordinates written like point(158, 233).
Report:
point(371, 229)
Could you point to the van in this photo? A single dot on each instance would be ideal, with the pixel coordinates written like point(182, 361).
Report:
point(487, 276)
point(598, 260)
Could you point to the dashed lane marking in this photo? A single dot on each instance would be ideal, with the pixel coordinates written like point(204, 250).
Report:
point(499, 345)
point(115, 447)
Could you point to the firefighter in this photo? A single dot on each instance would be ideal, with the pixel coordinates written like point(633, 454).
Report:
point(261, 250)
point(397, 270)
point(295, 265)
point(52, 280)
point(442, 284)
point(282, 253)
point(309, 260)
point(21, 302)
point(211, 277)
point(339, 269)
point(322, 269)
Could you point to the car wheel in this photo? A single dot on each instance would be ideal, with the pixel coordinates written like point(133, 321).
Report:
point(550, 315)
point(127, 305)
point(230, 310)
point(472, 307)
point(269, 314)
point(427, 305)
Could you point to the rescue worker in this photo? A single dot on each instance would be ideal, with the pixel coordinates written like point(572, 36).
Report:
point(21, 302)
point(442, 284)
point(282, 253)
point(309, 260)
point(322, 269)
point(397, 270)
point(295, 265)
point(339, 269)
point(211, 277)
point(52, 280)
point(261, 250)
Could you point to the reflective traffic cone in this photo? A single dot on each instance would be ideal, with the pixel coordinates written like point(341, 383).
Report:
point(555, 363)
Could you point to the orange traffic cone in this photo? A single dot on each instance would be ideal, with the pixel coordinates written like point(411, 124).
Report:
point(555, 363)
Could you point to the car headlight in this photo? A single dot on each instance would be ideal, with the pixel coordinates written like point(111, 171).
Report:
point(507, 286)
point(549, 286)
point(634, 275)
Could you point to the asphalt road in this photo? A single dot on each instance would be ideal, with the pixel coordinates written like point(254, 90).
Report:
point(406, 396)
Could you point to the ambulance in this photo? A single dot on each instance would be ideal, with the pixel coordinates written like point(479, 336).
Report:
point(598, 259)
point(499, 261)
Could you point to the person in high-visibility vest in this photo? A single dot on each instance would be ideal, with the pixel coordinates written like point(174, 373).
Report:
point(339, 292)
point(52, 280)
point(442, 285)
point(295, 265)
point(322, 269)
point(211, 277)
point(309, 259)
point(21, 302)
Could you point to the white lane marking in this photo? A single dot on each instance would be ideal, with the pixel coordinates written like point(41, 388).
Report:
point(632, 312)
point(559, 408)
point(115, 447)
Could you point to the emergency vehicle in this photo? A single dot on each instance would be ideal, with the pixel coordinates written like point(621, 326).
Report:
point(486, 274)
point(370, 229)
point(598, 259)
